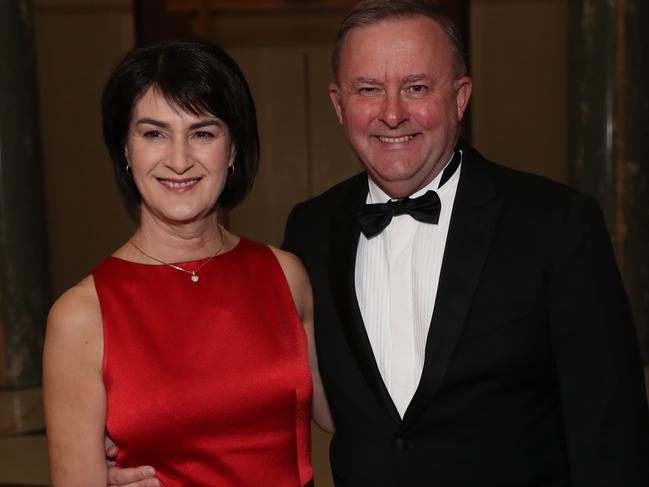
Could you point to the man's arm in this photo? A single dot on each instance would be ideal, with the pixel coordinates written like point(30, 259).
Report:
point(289, 243)
point(597, 356)
point(127, 477)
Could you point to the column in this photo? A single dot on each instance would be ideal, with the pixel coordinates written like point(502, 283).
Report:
point(609, 149)
point(24, 290)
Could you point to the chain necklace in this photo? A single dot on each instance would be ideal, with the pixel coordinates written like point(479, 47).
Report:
point(193, 273)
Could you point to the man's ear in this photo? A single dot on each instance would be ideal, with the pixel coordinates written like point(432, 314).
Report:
point(334, 95)
point(464, 88)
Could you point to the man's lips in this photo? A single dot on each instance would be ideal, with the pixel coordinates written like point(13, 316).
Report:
point(395, 140)
point(179, 185)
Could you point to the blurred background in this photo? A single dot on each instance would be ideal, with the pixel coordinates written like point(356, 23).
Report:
point(558, 91)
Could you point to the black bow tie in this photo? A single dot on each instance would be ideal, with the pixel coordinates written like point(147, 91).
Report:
point(373, 218)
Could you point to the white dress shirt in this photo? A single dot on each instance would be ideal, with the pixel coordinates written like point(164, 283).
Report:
point(396, 278)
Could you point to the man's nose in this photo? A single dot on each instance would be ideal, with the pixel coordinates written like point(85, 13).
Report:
point(393, 112)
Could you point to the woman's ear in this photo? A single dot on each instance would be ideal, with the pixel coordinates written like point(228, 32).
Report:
point(233, 155)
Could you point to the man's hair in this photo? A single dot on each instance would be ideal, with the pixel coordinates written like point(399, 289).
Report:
point(371, 12)
point(197, 77)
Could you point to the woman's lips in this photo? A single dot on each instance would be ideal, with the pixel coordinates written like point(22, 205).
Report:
point(179, 185)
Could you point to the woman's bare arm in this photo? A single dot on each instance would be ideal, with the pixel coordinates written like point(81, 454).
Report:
point(73, 389)
point(298, 282)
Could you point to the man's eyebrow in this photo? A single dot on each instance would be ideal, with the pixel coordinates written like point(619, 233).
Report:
point(362, 80)
point(412, 78)
point(417, 77)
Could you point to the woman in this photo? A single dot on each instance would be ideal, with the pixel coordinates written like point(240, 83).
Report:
point(187, 345)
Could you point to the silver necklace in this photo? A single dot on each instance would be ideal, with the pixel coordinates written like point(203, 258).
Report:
point(193, 273)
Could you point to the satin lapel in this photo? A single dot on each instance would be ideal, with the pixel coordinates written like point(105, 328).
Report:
point(345, 233)
point(475, 214)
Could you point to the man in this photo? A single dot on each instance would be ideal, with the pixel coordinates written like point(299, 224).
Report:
point(490, 344)
point(494, 348)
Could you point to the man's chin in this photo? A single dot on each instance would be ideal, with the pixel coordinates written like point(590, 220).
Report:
point(398, 188)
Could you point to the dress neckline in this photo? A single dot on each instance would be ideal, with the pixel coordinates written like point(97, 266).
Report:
point(233, 250)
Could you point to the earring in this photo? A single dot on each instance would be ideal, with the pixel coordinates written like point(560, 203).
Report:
point(231, 170)
point(128, 163)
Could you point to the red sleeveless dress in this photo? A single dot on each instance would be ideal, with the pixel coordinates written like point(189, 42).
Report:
point(208, 382)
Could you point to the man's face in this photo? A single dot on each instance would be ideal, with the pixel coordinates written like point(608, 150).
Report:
point(399, 102)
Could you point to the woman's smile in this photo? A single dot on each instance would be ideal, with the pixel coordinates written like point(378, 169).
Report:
point(179, 185)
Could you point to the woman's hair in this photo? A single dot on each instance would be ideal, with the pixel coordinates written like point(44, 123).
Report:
point(198, 77)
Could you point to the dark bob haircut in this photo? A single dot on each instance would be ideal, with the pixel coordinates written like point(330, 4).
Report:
point(197, 77)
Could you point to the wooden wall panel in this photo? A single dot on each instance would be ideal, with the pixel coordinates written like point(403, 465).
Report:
point(77, 45)
point(332, 159)
point(519, 70)
point(276, 77)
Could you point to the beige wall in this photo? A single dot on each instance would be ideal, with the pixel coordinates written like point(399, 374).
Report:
point(77, 43)
point(519, 64)
point(303, 151)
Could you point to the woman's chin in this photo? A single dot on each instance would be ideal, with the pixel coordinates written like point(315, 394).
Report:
point(182, 216)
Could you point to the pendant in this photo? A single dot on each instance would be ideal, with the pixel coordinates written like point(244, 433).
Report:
point(194, 277)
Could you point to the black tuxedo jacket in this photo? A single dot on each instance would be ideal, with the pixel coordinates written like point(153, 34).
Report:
point(532, 374)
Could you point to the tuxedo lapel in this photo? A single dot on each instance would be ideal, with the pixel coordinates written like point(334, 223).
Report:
point(345, 232)
point(475, 213)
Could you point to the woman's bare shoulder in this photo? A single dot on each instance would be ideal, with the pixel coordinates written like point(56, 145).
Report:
point(292, 267)
point(298, 280)
point(76, 311)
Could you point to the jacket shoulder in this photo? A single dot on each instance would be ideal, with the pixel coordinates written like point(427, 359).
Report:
point(335, 197)
point(525, 188)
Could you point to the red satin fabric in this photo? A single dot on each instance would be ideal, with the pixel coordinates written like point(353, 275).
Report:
point(208, 382)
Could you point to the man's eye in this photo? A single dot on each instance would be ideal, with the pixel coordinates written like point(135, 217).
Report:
point(368, 90)
point(417, 89)
point(153, 134)
point(203, 134)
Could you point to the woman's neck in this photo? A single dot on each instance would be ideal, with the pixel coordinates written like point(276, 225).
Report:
point(180, 242)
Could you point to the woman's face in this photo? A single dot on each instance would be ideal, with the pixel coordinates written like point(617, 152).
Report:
point(179, 161)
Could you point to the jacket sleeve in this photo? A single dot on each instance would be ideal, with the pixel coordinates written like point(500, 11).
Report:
point(597, 356)
point(289, 243)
